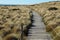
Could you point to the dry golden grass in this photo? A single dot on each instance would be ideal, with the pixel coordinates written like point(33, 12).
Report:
point(12, 18)
point(56, 33)
point(50, 12)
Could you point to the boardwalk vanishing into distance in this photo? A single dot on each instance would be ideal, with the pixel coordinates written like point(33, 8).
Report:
point(38, 31)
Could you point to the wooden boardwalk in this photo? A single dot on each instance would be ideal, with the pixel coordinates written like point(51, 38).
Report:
point(38, 31)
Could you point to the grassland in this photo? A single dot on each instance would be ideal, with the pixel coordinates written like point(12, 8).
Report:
point(12, 19)
point(50, 12)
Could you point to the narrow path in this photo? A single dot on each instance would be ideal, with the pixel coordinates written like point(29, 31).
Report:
point(38, 31)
